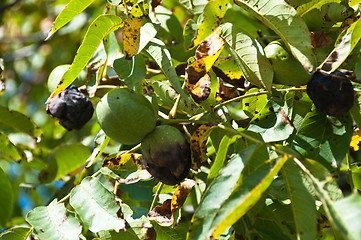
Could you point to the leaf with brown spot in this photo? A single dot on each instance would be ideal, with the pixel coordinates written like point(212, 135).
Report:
point(162, 214)
point(227, 69)
point(212, 17)
point(319, 39)
point(225, 93)
point(344, 46)
point(131, 30)
point(123, 162)
point(206, 55)
point(198, 144)
point(181, 193)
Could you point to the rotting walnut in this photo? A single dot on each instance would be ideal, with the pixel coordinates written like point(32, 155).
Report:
point(71, 107)
point(332, 93)
point(166, 154)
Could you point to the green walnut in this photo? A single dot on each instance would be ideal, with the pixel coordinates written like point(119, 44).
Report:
point(166, 154)
point(125, 116)
point(287, 69)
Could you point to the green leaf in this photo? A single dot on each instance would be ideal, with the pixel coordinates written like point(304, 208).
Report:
point(333, 215)
point(16, 233)
point(100, 27)
point(54, 222)
point(307, 6)
point(169, 22)
point(64, 160)
point(300, 104)
point(302, 202)
point(71, 10)
point(121, 235)
point(356, 175)
point(350, 213)
point(344, 46)
point(96, 206)
point(246, 52)
point(132, 71)
point(17, 122)
point(220, 158)
point(253, 105)
point(246, 195)
point(284, 21)
point(324, 139)
point(158, 52)
point(211, 18)
point(272, 121)
point(194, 6)
point(167, 233)
point(7, 198)
point(8, 150)
point(217, 193)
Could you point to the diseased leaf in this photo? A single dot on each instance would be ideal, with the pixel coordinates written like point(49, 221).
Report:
point(7, 198)
point(131, 30)
point(96, 206)
point(123, 162)
point(162, 214)
point(211, 18)
point(198, 144)
point(72, 9)
point(230, 71)
point(100, 27)
point(344, 46)
point(54, 222)
point(16, 233)
point(284, 21)
point(324, 139)
point(253, 105)
point(14, 121)
point(302, 202)
point(246, 52)
point(181, 193)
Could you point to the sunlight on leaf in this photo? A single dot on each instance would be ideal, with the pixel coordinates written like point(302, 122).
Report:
point(96, 206)
point(308, 6)
point(16, 233)
point(302, 202)
point(71, 10)
point(100, 27)
point(344, 46)
point(54, 222)
point(246, 52)
point(355, 141)
point(211, 19)
point(284, 21)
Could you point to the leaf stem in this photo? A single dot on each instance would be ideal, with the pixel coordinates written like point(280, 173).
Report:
point(156, 195)
point(64, 198)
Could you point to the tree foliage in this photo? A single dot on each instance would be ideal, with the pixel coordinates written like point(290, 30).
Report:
point(266, 163)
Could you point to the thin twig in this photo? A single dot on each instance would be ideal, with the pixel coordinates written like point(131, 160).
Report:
point(156, 195)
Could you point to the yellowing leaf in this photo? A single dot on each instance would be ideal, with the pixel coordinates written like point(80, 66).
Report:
point(131, 30)
point(198, 144)
point(181, 193)
point(211, 19)
point(206, 55)
point(124, 162)
point(355, 141)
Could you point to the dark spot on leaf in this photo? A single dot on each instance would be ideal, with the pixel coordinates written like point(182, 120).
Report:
point(246, 104)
